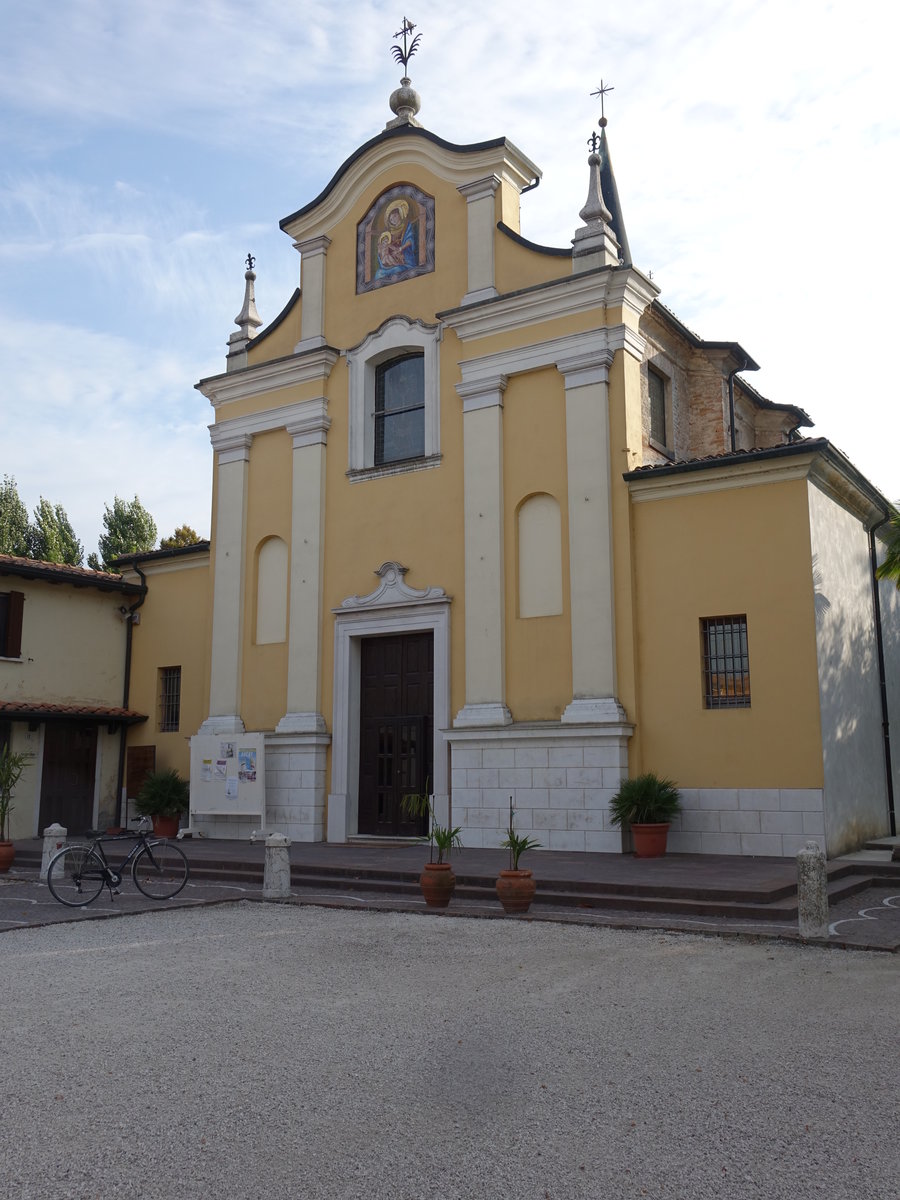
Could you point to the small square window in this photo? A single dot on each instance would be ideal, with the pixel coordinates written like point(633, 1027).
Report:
point(657, 385)
point(169, 699)
point(726, 662)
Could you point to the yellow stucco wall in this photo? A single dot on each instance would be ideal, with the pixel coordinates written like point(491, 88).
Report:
point(174, 632)
point(538, 649)
point(723, 552)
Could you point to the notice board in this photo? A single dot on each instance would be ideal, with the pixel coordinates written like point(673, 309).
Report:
point(228, 776)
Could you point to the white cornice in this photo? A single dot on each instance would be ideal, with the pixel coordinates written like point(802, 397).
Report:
point(723, 478)
point(594, 348)
point(315, 364)
point(593, 291)
point(482, 393)
point(305, 419)
point(458, 167)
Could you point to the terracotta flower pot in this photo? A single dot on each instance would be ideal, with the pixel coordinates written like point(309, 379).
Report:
point(437, 882)
point(650, 840)
point(7, 854)
point(515, 890)
point(165, 827)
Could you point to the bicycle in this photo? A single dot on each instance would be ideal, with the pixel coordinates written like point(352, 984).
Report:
point(78, 873)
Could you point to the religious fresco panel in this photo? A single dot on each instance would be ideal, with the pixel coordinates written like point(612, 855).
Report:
point(395, 239)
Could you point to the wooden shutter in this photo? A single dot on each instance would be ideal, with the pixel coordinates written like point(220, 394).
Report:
point(14, 611)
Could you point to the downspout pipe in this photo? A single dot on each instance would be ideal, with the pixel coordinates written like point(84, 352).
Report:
point(129, 615)
point(882, 680)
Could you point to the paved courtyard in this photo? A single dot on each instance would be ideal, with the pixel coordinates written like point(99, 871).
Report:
point(256, 1050)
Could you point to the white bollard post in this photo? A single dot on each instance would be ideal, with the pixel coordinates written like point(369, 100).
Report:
point(54, 839)
point(812, 892)
point(277, 877)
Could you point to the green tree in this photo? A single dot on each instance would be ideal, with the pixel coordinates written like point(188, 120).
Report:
point(51, 537)
point(184, 535)
point(890, 568)
point(129, 530)
point(13, 520)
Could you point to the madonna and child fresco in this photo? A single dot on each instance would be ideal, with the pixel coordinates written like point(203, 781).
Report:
point(395, 239)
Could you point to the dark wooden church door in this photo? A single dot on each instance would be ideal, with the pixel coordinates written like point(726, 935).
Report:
point(396, 731)
point(67, 776)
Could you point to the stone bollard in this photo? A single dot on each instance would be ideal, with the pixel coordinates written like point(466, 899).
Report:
point(277, 877)
point(812, 892)
point(54, 840)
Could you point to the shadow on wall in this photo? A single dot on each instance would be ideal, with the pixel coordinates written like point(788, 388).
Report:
point(853, 752)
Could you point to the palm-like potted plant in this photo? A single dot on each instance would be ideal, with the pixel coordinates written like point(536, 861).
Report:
point(437, 880)
point(648, 804)
point(163, 797)
point(516, 886)
point(12, 766)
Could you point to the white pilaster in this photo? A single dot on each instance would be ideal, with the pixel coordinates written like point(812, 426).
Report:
point(590, 539)
point(483, 507)
point(312, 290)
point(482, 222)
point(228, 583)
point(304, 683)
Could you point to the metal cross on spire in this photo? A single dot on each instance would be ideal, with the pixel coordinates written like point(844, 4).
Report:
point(403, 56)
point(603, 90)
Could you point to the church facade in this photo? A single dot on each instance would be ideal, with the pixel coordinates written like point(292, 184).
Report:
point(489, 521)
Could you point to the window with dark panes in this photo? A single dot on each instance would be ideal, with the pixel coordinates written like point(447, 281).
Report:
point(400, 409)
point(657, 406)
point(169, 699)
point(11, 609)
point(726, 662)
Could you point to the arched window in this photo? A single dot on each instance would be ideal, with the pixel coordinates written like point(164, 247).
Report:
point(400, 409)
point(271, 591)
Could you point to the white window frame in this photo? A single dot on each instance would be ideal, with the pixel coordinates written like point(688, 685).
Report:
point(397, 336)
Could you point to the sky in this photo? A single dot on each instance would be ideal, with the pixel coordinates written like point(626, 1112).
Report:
point(147, 145)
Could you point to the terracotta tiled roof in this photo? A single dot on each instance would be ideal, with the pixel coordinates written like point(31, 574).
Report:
point(799, 445)
point(32, 568)
point(43, 710)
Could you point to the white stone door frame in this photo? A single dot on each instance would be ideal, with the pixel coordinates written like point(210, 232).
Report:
point(392, 608)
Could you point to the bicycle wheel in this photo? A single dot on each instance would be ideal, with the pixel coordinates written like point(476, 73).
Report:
point(160, 871)
point(76, 876)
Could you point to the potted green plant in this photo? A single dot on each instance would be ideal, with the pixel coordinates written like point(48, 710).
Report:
point(516, 886)
point(163, 797)
point(12, 767)
point(648, 804)
point(437, 880)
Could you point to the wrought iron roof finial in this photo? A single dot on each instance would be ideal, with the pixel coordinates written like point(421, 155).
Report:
point(251, 262)
point(602, 91)
point(403, 56)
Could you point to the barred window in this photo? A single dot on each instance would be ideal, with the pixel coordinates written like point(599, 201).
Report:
point(169, 699)
point(726, 662)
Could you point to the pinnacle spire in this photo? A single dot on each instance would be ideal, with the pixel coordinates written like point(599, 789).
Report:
point(248, 321)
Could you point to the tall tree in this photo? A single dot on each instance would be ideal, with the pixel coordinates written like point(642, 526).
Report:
point(129, 530)
point(51, 537)
point(890, 568)
point(13, 520)
point(184, 535)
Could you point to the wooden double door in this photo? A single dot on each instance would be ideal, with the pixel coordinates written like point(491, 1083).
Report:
point(396, 731)
point(67, 775)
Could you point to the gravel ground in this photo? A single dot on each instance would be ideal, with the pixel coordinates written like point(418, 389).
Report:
point(272, 1051)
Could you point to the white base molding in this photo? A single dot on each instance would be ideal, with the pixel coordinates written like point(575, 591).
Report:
point(225, 725)
point(301, 722)
point(594, 710)
point(482, 716)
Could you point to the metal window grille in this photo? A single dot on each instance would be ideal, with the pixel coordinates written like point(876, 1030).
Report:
point(657, 407)
point(726, 662)
point(169, 699)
